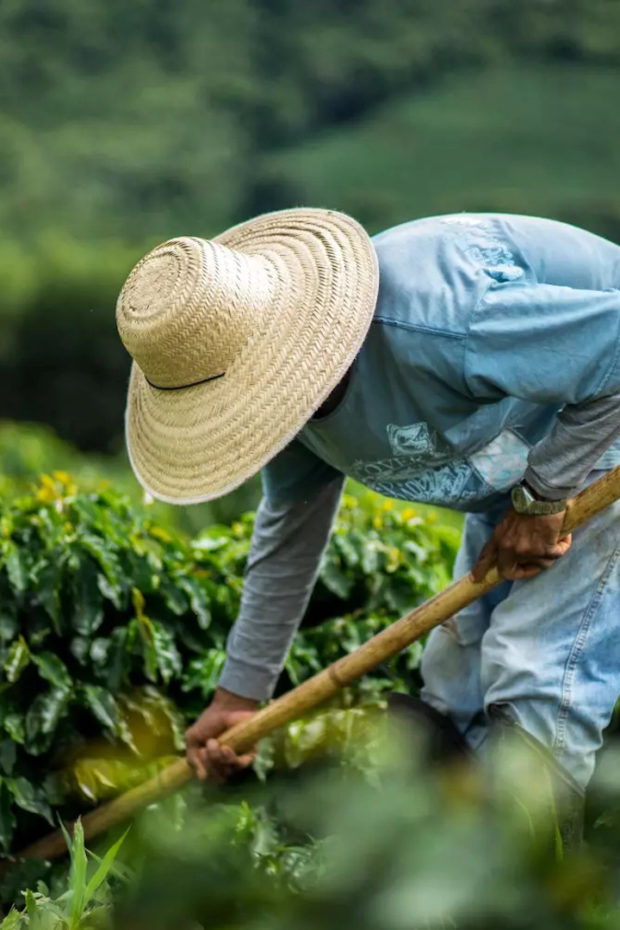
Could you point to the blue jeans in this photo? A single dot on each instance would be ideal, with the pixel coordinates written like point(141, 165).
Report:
point(544, 652)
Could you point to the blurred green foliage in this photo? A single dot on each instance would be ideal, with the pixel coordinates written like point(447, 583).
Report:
point(409, 849)
point(28, 450)
point(126, 124)
point(415, 850)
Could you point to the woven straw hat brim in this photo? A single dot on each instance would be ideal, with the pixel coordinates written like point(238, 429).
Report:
point(197, 443)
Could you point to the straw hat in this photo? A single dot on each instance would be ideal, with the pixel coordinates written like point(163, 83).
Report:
point(236, 341)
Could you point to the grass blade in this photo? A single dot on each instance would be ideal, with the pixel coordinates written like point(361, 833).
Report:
point(102, 871)
point(77, 877)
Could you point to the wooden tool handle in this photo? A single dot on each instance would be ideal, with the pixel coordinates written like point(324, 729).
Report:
point(322, 686)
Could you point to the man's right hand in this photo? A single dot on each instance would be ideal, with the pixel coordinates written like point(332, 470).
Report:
point(204, 753)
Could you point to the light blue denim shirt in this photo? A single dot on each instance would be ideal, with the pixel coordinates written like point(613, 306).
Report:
point(486, 326)
point(493, 353)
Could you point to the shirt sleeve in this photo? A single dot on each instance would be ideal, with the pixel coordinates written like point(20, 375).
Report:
point(285, 554)
point(291, 530)
point(555, 346)
point(560, 463)
point(295, 474)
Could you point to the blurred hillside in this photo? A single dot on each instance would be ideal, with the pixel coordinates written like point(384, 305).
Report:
point(125, 124)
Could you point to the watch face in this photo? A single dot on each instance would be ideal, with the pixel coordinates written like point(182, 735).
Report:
point(523, 501)
point(520, 498)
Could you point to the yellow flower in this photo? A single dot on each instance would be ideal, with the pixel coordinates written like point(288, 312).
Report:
point(68, 487)
point(55, 488)
point(48, 482)
point(408, 514)
point(46, 494)
point(388, 505)
point(160, 534)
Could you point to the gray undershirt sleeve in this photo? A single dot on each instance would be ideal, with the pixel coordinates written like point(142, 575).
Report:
point(285, 554)
point(560, 463)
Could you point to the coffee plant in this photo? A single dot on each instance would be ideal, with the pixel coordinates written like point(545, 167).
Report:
point(113, 631)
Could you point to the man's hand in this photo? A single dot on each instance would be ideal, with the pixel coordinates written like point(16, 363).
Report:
point(522, 546)
point(204, 753)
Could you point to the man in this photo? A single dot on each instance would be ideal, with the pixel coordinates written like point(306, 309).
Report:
point(468, 361)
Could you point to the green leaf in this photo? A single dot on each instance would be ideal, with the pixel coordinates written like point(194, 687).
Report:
point(173, 596)
point(345, 544)
point(8, 623)
point(166, 653)
point(119, 659)
point(52, 669)
point(42, 719)
point(212, 539)
point(103, 869)
point(12, 920)
point(106, 710)
point(79, 647)
point(77, 877)
point(102, 704)
point(26, 797)
point(31, 902)
point(204, 672)
point(7, 817)
point(48, 580)
point(15, 568)
point(370, 556)
point(17, 660)
point(87, 598)
point(104, 554)
point(112, 592)
point(100, 650)
point(14, 725)
point(334, 578)
point(198, 600)
point(8, 755)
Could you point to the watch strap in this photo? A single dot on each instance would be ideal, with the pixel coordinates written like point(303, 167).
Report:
point(524, 502)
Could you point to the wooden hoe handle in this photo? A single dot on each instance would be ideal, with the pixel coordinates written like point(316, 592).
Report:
point(322, 686)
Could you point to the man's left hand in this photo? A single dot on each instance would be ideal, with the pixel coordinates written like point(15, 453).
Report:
point(522, 546)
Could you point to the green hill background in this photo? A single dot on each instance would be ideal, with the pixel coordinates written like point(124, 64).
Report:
point(125, 124)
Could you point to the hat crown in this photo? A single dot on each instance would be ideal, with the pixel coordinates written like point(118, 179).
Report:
point(189, 307)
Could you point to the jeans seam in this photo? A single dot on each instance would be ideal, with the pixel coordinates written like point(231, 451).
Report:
point(577, 651)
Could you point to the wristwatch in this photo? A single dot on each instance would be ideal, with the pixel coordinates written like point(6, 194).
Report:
point(524, 500)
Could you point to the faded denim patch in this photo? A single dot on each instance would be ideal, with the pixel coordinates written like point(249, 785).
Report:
point(484, 247)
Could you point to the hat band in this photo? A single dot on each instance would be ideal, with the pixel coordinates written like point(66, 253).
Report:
point(181, 387)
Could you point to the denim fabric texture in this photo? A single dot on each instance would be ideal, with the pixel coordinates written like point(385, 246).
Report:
point(486, 326)
point(544, 652)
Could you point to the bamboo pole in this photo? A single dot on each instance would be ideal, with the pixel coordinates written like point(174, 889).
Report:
point(325, 684)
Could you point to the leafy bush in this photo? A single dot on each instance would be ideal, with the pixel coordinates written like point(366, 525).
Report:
point(412, 850)
point(28, 450)
point(112, 632)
